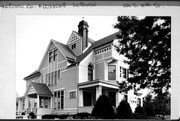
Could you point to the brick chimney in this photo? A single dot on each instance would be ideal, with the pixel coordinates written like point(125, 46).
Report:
point(83, 31)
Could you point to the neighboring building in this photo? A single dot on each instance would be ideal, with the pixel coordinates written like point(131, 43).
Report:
point(71, 77)
point(20, 105)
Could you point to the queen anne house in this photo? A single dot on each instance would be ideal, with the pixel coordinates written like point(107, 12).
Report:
point(72, 76)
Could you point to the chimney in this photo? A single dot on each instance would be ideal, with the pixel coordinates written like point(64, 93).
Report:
point(83, 31)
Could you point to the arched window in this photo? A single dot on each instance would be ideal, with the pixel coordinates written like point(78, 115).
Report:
point(90, 72)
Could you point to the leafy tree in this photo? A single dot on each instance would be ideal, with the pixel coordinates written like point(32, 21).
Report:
point(103, 109)
point(139, 113)
point(124, 110)
point(146, 42)
point(161, 104)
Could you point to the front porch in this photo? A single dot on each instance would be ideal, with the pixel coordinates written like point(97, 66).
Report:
point(90, 91)
point(39, 99)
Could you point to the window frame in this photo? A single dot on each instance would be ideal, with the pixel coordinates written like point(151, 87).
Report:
point(59, 99)
point(109, 72)
point(71, 91)
point(91, 70)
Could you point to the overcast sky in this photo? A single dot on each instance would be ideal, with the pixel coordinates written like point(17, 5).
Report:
point(33, 34)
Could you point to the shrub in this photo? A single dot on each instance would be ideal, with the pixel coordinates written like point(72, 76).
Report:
point(31, 115)
point(83, 115)
point(139, 113)
point(103, 109)
point(53, 116)
point(149, 110)
point(23, 113)
point(50, 116)
point(124, 110)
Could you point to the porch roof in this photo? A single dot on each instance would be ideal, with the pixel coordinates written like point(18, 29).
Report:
point(41, 89)
point(105, 83)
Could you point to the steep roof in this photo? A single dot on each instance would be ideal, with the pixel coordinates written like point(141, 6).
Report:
point(96, 44)
point(64, 49)
point(41, 89)
point(34, 74)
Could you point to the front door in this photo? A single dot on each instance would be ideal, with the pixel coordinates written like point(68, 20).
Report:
point(112, 98)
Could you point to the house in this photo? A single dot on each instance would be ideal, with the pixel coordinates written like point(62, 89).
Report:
point(72, 76)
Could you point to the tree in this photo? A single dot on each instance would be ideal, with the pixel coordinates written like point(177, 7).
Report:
point(103, 109)
point(146, 43)
point(162, 104)
point(124, 110)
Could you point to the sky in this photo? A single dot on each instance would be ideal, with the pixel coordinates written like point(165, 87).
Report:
point(34, 32)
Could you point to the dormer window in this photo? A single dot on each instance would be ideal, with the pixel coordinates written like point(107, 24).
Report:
point(73, 46)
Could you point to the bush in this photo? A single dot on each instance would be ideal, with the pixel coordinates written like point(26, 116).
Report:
point(23, 113)
point(149, 110)
point(139, 113)
point(53, 116)
point(31, 115)
point(103, 109)
point(83, 115)
point(124, 110)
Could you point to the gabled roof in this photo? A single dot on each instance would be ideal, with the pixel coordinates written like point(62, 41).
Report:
point(41, 89)
point(34, 74)
point(96, 44)
point(64, 49)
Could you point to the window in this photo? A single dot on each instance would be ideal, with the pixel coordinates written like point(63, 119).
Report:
point(59, 74)
point(120, 71)
point(124, 73)
point(52, 79)
point(55, 78)
point(55, 55)
point(59, 99)
point(62, 99)
point(73, 46)
point(72, 94)
point(111, 72)
point(50, 56)
point(90, 72)
point(46, 78)
point(41, 79)
point(49, 79)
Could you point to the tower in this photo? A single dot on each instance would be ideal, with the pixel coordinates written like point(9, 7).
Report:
point(83, 31)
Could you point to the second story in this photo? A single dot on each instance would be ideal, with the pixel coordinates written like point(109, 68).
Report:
point(81, 59)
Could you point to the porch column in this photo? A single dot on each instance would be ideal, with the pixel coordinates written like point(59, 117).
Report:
point(80, 98)
point(51, 99)
point(117, 98)
point(141, 102)
point(98, 91)
point(27, 102)
point(38, 101)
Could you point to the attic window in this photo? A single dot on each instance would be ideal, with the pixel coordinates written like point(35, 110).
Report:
point(55, 55)
point(73, 46)
point(50, 56)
